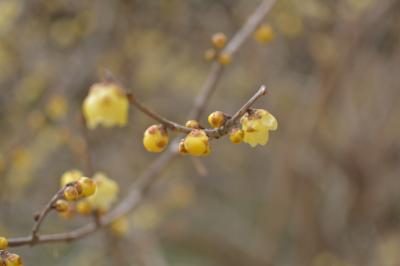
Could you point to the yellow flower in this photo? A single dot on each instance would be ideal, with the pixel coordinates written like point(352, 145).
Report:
point(120, 226)
point(70, 176)
point(3, 243)
point(264, 33)
point(57, 107)
point(256, 126)
point(155, 138)
point(106, 105)
point(84, 207)
point(196, 143)
point(106, 193)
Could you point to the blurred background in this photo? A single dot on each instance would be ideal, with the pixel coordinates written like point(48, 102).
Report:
point(325, 191)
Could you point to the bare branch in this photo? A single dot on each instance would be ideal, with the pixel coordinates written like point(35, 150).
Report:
point(42, 215)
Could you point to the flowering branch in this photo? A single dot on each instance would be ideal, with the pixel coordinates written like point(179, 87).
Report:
point(144, 182)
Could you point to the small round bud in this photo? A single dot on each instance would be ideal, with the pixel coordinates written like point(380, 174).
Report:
point(236, 135)
point(87, 185)
point(196, 143)
point(216, 119)
point(3, 243)
point(84, 207)
point(225, 59)
point(192, 124)
point(210, 54)
point(181, 147)
point(155, 138)
point(219, 40)
point(61, 205)
point(264, 33)
point(71, 193)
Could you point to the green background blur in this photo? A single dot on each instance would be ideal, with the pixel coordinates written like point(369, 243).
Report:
point(325, 191)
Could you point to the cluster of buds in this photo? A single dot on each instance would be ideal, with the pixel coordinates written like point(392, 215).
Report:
point(254, 129)
point(85, 195)
point(7, 258)
point(83, 187)
point(218, 41)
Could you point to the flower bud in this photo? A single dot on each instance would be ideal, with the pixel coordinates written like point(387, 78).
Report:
point(196, 143)
point(88, 186)
point(155, 138)
point(192, 124)
point(219, 40)
point(216, 119)
point(3, 243)
point(225, 58)
point(61, 205)
point(71, 193)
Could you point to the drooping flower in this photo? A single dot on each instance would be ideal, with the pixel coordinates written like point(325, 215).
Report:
point(70, 176)
point(256, 126)
point(106, 105)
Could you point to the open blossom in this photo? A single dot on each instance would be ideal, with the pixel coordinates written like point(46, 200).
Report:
point(256, 126)
point(70, 176)
point(106, 105)
point(105, 195)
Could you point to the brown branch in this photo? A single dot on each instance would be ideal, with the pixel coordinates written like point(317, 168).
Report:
point(211, 132)
point(144, 181)
point(39, 218)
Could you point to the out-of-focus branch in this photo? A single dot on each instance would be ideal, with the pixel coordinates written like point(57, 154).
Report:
point(231, 48)
point(145, 180)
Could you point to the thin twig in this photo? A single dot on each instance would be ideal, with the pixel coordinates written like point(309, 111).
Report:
point(211, 132)
point(42, 215)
